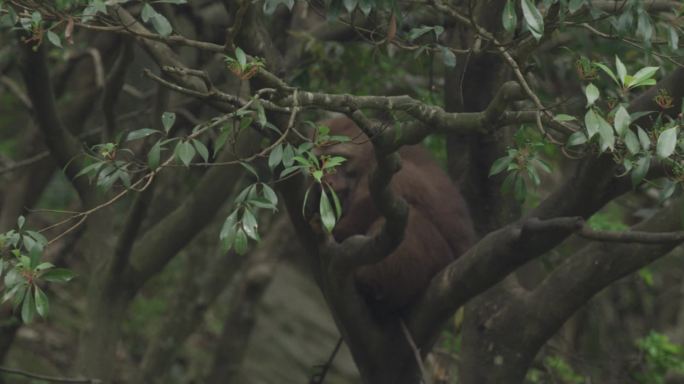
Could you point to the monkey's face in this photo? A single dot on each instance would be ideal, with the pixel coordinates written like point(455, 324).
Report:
point(347, 178)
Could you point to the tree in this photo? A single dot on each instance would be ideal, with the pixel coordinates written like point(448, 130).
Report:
point(549, 111)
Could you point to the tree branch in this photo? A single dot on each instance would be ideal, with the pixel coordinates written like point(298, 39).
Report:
point(51, 379)
point(485, 264)
point(62, 144)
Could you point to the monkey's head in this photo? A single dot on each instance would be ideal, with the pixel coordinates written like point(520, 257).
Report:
point(350, 177)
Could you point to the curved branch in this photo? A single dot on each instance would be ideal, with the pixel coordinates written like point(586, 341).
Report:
point(63, 146)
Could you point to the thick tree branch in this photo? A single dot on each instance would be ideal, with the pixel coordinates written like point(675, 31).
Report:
point(113, 86)
point(592, 185)
point(489, 261)
point(583, 275)
point(63, 146)
point(632, 236)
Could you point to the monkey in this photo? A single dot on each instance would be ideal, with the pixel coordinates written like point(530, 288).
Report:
point(438, 230)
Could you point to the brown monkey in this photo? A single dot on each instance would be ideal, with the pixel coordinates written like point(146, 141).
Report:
point(438, 230)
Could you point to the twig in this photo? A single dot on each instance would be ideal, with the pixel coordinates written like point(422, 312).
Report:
point(52, 379)
point(416, 353)
point(13, 87)
point(319, 377)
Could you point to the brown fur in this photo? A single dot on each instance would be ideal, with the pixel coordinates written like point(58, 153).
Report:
point(438, 230)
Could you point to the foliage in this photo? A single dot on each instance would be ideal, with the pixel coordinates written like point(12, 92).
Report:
point(659, 357)
point(380, 61)
point(24, 271)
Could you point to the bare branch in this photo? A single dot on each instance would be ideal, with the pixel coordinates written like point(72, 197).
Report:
point(51, 379)
point(632, 236)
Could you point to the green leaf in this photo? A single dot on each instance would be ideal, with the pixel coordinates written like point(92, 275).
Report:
point(327, 213)
point(306, 198)
point(577, 138)
point(221, 141)
point(42, 302)
point(241, 242)
point(621, 121)
point(260, 202)
point(621, 71)
point(13, 277)
point(271, 5)
point(643, 139)
point(640, 170)
point(54, 39)
point(20, 295)
point(333, 162)
point(242, 196)
point(499, 165)
point(509, 18)
point(185, 152)
point(58, 275)
point(241, 57)
point(28, 308)
point(606, 134)
point(261, 114)
point(161, 25)
point(201, 149)
point(153, 156)
point(365, 6)
point(520, 189)
point(575, 5)
point(592, 94)
point(667, 141)
point(250, 168)
point(534, 176)
point(91, 168)
point(44, 266)
point(39, 238)
point(168, 119)
point(20, 221)
point(336, 203)
point(25, 262)
point(275, 157)
point(591, 122)
point(672, 37)
point(438, 30)
point(644, 26)
point(147, 12)
point(9, 294)
point(644, 77)
point(533, 18)
point(415, 33)
point(140, 133)
point(632, 142)
point(228, 231)
point(290, 170)
point(269, 194)
point(349, 5)
point(609, 72)
point(543, 165)
point(448, 57)
point(288, 155)
point(250, 225)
